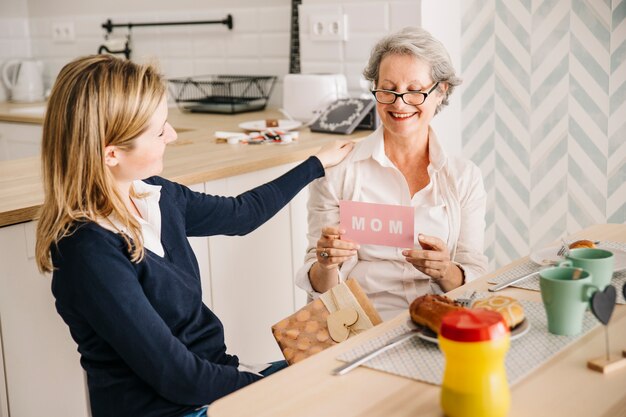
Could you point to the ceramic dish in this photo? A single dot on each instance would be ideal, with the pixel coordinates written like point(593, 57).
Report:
point(516, 333)
point(259, 125)
point(548, 256)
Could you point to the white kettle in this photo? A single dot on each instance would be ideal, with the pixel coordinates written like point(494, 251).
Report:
point(24, 79)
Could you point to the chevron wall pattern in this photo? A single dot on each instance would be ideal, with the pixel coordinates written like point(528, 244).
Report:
point(544, 117)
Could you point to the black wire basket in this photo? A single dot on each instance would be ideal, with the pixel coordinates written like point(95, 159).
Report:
point(227, 94)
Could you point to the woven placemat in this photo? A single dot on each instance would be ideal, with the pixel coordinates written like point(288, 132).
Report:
point(423, 361)
point(532, 283)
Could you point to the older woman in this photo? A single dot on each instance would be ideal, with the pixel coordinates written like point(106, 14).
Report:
point(401, 163)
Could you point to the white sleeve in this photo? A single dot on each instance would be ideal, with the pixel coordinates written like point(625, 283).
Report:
point(323, 210)
point(470, 245)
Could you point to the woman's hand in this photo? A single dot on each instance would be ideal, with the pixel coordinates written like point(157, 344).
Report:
point(334, 152)
point(434, 260)
point(331, 250)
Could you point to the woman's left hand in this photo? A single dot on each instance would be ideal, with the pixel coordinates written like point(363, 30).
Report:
point(334, 152)
point(434, 260)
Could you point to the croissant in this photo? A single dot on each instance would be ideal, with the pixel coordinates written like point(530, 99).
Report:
point(428, 310)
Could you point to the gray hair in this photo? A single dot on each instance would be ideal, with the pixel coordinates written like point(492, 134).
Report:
point(422, 45)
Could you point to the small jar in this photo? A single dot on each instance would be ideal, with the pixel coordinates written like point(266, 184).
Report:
point(474, 343)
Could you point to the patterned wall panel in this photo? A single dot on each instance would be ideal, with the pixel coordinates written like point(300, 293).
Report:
point(548, 135)
point(616, 184)
point(478, 100)
point(513, 111)
point(588, 112)
point(544, 116)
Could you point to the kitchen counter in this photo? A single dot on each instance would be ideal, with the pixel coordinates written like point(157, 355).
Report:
point(194, 158)
point(22, 113)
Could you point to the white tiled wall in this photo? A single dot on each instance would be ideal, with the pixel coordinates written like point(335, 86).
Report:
point(14, 43)
point(368, 21)
point(258, 43)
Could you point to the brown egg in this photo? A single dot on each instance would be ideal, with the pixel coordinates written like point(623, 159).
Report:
point(292, 333)
point(311, 327)
point(288, 353)
point(299, 357)
point(315, 349)
point(303, 344)
point(282, 324)
point(303, 315)
point(322, 335)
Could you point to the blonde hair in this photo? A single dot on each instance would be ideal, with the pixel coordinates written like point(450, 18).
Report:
point(97, 101)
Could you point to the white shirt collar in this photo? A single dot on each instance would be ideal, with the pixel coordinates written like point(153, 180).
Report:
point(150, 220)
point(152, 192)
point(374, 147)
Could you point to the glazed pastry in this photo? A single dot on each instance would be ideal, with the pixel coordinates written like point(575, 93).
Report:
point(510, 308)
point(428, 310)
point(582, 244)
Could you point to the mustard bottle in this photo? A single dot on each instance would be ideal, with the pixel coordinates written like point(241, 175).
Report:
point(474, 343)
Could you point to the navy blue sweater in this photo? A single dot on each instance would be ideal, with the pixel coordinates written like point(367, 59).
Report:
point(149, 345)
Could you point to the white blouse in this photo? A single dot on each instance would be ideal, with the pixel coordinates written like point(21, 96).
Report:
point(451, 207)
point(150, 220)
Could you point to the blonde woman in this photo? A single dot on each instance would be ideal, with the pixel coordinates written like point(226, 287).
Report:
point(114, 236)
point(402, 163)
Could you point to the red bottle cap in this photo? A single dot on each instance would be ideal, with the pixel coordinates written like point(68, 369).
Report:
point(473, 325)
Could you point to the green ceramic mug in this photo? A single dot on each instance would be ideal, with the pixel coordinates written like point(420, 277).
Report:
point(599, 262)
point(565, 291)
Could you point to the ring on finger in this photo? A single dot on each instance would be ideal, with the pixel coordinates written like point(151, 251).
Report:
point(324, 254)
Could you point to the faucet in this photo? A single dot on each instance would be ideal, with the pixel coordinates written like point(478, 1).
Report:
point(112, 46)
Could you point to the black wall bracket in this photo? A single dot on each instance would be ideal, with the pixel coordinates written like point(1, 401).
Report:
point(109, 25)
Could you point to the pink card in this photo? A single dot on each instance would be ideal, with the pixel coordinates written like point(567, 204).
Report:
point(377, 224)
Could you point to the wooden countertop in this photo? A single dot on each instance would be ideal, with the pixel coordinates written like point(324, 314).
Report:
point(21, 113)
point(194, 158)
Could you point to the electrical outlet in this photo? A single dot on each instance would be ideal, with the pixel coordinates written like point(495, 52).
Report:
point(329, 27)
point(63, 31)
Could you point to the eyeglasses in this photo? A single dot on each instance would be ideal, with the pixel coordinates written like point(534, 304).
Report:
point(412, 98)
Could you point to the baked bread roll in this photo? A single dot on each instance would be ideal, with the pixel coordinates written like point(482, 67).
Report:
point(582, 244)
point(428, 310)
point(510, 308)
point(271, 122)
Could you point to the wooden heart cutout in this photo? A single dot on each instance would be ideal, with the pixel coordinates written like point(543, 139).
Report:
point(339, 323)
point(603, 304)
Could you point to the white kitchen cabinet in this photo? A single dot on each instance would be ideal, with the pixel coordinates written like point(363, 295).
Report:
point(252, 275)
point(200, 246)
point(19, 140)
point(43, 373)
point(4, 405)
point(299, 227)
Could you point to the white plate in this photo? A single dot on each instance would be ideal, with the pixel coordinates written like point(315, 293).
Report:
point(258, 125)
point(547, 256)
point(516, 333)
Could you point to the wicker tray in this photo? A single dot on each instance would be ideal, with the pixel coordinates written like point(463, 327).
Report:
point(226, 94)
